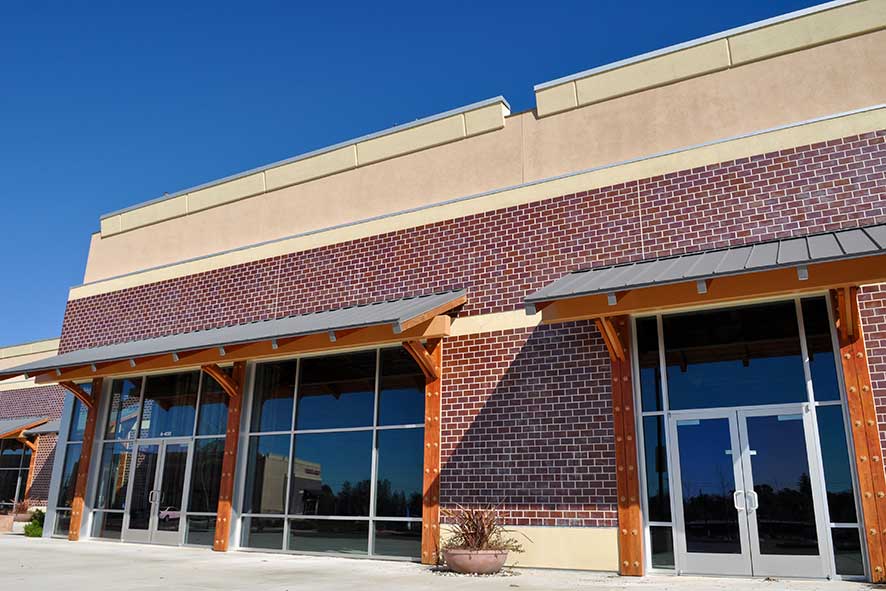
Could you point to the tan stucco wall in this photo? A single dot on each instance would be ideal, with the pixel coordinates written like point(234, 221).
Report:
point(578, 548)
point(14, 355)
point(826, 79)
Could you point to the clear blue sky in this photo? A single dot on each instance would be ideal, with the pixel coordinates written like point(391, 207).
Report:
point(104, 105)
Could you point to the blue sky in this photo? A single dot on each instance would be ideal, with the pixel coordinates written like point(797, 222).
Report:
point(104, 105)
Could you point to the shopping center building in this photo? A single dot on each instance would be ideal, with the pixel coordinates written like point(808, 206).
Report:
point(646, 319)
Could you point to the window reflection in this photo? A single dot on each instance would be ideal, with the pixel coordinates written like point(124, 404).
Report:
point(336, 391)
point(331, 473)
point(69, 475)
point(263, 532)
point(78, 416)
point(326, 535)
point(820, 346)
point(272, 398)
point(113, 475)
point(657, 487)
point(213, 415)
point(267, 467)
point(170, 405)
point(206, 474)
point(835, 461)
point(734, 357)
point(399, 481)
point(649, 363)
point(123, 416)
point(401, 398)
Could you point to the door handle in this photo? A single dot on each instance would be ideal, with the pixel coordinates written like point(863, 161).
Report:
point(739, 505)
point(754, 500)
point(153, 496)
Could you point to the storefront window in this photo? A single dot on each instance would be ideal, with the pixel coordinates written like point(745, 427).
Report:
point(348, 409)
point(70, 463)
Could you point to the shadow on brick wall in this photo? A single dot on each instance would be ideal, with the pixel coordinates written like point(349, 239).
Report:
point(527, 425)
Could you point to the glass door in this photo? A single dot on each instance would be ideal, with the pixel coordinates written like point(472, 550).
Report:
point(784, 497)
point(748, 492)
point(711, 528)
point(157, 493)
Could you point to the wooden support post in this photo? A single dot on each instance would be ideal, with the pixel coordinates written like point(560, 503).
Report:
point(865, 431)
point(233, 385)
point(430, 514)
point(78, 392)
point(79, 502)
point(32, 466)
point(617, 336)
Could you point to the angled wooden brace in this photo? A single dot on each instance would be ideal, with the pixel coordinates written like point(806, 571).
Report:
point(78, 393)
point(229, 384)
point(425, 360)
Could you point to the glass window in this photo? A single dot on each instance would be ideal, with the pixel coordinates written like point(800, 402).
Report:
point(201, 530)
point(822, 364)
point(400, 468)
point(11, 453)
point(62, 523)
point(113, 475)
point(662, 547)
point(267, 464)
point(263, 532)
point(738, 356)
point(206, 471)
point(329, 535)
point(123, 417)
point(657, 487)
point(847, 551)
point(213, 417)
point(170, 405)
point(401, 399)
point(331, 473)
point(273, 397)
point(835, 460)
point(398, 538)
point(650, 364)
point(69, 475)
point(336, 391)
point(107, 525)
point(8, 486)
point(78, 416)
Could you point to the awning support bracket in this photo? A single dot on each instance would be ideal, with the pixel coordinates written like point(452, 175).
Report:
point(231, 386)
point(78, 392)
point(424, 359)
point(613, 343)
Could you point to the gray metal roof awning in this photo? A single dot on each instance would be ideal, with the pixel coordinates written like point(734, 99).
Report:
point(399, 314)
point(698, 266)
point(47, 427)
point(13, 427)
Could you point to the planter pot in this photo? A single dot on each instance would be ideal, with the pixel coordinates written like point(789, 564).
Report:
point(22, 517)
point(475, 562)
point(5, 523)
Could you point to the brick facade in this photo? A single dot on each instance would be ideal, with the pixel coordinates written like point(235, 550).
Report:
point(872, 308)
point(36, 402)
point(526, 413)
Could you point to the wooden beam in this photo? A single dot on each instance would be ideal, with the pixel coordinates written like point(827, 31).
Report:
point(231, 386)
point(775, 283)
point(630, 530)
point(32, 466)
point(424, 359)
point(19, 431)
point(610, 338)
point(229, 460)
point(31, 445)
point(437, 327)
point(78, 392)
point(430, 514)
point(424, 317)
point(867, 452)
point(79, 503)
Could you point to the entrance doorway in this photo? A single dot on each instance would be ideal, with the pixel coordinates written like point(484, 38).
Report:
point(748, 498)
point(156, 497)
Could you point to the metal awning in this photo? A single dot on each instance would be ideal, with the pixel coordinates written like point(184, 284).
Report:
point(400, 316)
point(801, 253)
point(45, 428)
point(18, 426)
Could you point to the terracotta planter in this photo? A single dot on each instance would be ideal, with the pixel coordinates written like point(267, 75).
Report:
point(5, 524)
point(475, 562)
point(22, 517)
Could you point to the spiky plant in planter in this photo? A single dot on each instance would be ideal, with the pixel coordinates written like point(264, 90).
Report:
point(478, 543)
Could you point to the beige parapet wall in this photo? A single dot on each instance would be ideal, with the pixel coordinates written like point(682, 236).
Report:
point(789, 33)
point(440, 129)
point(827, 79)
point(578, 548)
point(727, 149)
point(14, 355)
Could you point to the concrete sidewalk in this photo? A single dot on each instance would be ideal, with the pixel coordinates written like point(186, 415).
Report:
point(99, 566)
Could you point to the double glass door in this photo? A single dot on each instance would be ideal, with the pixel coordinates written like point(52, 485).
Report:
point(748, 493)
point(157, 494)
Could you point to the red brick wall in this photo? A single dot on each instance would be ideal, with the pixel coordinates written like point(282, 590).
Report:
point(45, 401)
point(527, 417)
point(872, 308)
point(503, 255)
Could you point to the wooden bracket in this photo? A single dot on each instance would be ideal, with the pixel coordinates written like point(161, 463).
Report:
point(614, 344)
point(425, 360)
point(846, 305)
point(25, 441)
point(78, 392)
point(230, 385)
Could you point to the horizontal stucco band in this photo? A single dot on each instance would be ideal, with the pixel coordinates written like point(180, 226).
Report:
point(574, 548)
point(806, 132)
